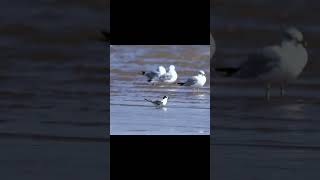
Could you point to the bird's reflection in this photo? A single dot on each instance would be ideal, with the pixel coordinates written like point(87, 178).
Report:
point(162, 108)
point(201, 96)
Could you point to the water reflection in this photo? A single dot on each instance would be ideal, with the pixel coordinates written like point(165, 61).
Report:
point(164, 109)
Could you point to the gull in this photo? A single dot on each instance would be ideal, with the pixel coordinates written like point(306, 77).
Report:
point(158, 103)
point(195, 81)
point(169, 77)
point(154, 75)
point(277, 64)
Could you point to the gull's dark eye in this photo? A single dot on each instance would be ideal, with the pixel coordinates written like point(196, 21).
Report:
point(288, 36)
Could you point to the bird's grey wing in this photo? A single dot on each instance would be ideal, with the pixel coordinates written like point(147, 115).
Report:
point(166, 76)
point(151, 74)
point(190, 81)
point(259, 63)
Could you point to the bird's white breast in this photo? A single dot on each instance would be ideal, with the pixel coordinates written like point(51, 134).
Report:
point(174, 76)
point(292, 60)
point(201, 80)
point(295, 58)
point(164, 101)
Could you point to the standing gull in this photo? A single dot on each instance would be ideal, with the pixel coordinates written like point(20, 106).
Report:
point(195, 81)
point(278, 64)
point(169, 77)
point(154, 75)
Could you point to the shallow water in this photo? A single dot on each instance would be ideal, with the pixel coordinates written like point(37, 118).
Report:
point(187, 111)
point(252, 138)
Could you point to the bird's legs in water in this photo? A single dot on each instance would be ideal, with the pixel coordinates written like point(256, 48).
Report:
point(195, 90)
point(268, 92)
point(282, 92)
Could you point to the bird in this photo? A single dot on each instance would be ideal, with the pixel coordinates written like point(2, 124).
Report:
point(276, 64)
point(197, 81)
point(158, 103)
point(170, 77)
point(154, 76)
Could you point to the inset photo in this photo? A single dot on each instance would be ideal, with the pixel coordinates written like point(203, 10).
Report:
point(160, 90)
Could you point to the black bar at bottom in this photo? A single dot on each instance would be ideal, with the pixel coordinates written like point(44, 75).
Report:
point(168, 157)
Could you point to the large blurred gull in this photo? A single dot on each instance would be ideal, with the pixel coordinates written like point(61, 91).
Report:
point(278, 64)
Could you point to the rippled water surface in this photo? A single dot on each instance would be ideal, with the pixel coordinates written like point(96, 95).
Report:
point(253, 138)
point(187, 111)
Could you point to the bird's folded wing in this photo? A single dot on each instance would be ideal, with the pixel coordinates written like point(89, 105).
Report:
point(260, 62)
point(166, 76)
point(191, 81)
point(157, 102)
point(151, 74)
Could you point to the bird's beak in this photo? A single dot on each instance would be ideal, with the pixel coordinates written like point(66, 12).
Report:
point(305, 44)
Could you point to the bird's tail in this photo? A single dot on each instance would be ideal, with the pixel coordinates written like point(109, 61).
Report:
point(143, 72)
point(228, 71)
point(181, 84)
point(147, 100)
